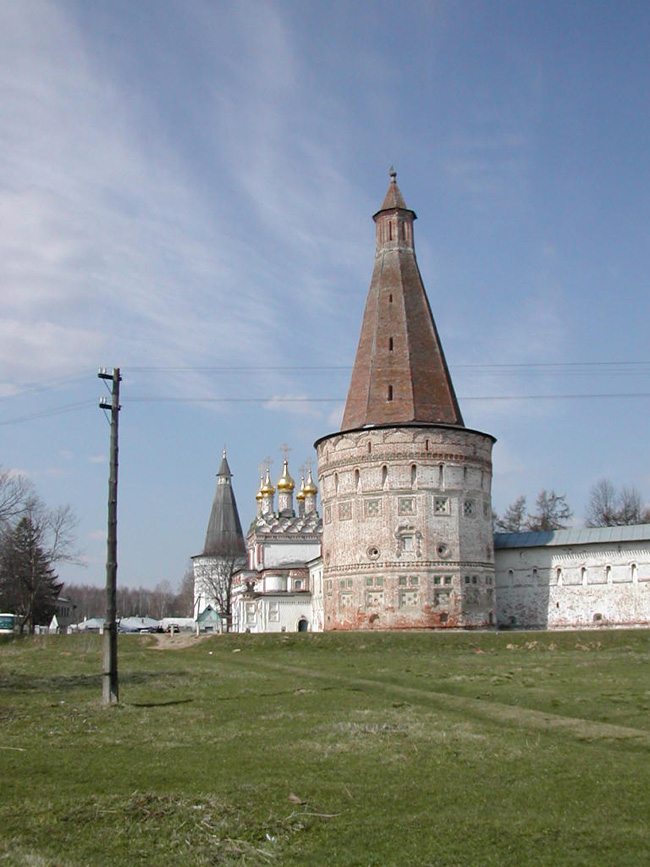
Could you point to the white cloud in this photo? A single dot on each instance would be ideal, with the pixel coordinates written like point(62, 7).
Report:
point(292, 404)
point(112, 250)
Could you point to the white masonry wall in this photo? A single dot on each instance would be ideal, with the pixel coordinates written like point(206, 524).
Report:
point(554, 587)
point(279, 553)
point(272, 613)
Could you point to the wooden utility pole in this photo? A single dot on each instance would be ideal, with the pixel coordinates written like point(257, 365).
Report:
point(110, 693)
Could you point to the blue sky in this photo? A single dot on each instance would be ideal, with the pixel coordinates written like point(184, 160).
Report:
point(188, 187)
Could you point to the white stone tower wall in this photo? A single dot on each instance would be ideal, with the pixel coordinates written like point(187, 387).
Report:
point(407, 528)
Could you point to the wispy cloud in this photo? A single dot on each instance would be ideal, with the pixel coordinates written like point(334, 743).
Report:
point(292, 404)
point(112, 250)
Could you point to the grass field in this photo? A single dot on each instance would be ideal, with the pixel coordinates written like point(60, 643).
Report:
point(352, 749)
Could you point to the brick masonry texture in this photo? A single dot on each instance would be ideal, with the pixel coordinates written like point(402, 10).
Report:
point(407, 528)
point(405, 487)
point(400, 373)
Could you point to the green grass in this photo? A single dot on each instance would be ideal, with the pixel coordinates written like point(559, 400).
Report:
point(352, 749)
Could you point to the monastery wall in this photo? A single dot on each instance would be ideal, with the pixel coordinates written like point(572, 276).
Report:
point(555, 587)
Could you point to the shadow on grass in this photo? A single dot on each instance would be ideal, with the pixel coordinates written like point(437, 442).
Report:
point(165, 703)
point(67, 682)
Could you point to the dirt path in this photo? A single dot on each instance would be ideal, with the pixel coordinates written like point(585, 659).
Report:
point(175, 641)
point(521, 717)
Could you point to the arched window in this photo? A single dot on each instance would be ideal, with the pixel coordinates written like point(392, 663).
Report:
point(357, 480)
point(384, 476)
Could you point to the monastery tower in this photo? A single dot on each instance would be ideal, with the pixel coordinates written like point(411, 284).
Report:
point(224, 547)
point(405, 486)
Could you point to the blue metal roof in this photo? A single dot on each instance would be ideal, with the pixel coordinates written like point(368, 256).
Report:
point(574, 536)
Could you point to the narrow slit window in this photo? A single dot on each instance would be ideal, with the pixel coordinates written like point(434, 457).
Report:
point(390, 392)
point(390, 344)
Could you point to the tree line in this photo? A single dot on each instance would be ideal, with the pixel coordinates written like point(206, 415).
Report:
point(607, 507)
point(162, 601)
point(33, 539)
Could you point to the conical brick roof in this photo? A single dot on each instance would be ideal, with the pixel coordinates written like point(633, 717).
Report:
point(400, 374)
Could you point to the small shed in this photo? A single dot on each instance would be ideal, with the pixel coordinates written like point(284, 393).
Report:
point(208, 620)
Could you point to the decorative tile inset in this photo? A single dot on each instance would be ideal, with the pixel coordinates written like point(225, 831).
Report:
point(406, 506)
point(372, 508)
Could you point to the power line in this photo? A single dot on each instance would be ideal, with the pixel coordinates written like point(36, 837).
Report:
point(46, 413)
point(156, 399)
point(74, 407)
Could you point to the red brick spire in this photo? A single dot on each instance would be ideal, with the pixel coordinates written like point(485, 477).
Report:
point(400, 373)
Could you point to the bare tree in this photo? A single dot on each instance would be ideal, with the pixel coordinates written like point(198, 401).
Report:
point(161, 600)
point(553, 512)
point(608, 507)
point(215, 581)
point(602, 506)
point(15, 490)
point(631, 510)
point(183, 605)
point(89, 600)
point(514, 517)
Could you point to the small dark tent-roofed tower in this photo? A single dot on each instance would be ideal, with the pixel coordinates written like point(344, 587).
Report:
point(405, 486)
point(224, 534)
point(224, 551)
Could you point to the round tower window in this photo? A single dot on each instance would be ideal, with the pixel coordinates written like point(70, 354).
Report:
point(442, 551)
point(373, 552)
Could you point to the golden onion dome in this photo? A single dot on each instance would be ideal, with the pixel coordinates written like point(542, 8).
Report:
point(267, 488)
point(301, 491)
point(310, 485)
point(259, 495)
point(285, 482)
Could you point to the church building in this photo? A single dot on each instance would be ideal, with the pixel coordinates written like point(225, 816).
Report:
point(405, 540)
point(224, 553)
